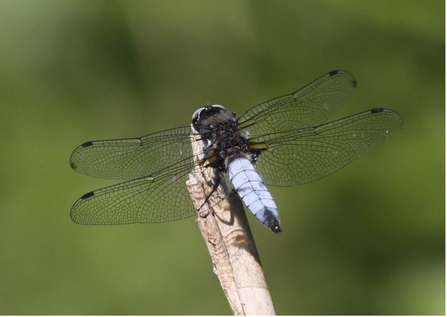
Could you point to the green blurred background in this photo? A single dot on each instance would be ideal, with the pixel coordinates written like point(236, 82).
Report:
point(368, 239)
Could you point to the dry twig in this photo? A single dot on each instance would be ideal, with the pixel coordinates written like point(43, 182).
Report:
point(229, 240)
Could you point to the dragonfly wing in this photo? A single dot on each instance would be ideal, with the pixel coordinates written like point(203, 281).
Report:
point(132, 158)
point(301, 156)
point(309, 106)
point(160, 197)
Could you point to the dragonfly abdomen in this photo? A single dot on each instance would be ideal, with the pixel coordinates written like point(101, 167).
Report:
point(253, 192)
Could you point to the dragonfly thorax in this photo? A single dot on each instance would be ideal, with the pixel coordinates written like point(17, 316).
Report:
point(222, 134)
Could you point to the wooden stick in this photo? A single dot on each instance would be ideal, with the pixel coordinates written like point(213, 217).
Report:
point(224, 227)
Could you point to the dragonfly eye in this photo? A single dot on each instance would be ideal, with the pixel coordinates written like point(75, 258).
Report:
point(196, 114)
point(206, 112)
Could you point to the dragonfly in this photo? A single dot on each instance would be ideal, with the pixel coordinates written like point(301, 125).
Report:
point(285, 141)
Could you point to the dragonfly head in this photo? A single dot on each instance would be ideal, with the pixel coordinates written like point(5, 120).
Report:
point(209, 114)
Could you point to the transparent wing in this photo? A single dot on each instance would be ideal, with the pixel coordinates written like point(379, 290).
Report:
point(309, 106)
point(159, 197)
point(132, 158)
point(304, 155)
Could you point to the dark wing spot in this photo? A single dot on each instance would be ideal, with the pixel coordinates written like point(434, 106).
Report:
point(376, 110)
point(88, 195)
point(88, 143)
point(334, 72)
